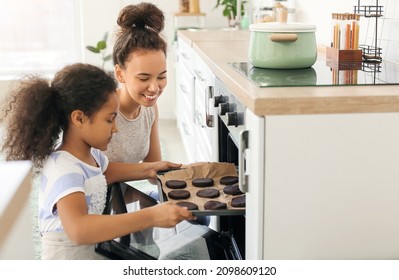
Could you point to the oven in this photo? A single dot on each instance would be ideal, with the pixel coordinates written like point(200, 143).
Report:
point(225, 238)
point(188, 240)
point(232, 141)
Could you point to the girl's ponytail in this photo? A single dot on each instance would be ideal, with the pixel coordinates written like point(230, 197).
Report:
point(32, 122)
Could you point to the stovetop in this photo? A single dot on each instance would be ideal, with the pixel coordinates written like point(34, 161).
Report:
point(322, 73)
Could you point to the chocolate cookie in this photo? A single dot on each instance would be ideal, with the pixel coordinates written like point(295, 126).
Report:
point(208, 193)
point(188, 205)
point(238, 201)
point(232, 189)
point(202, 182)
point(176, 184)
point(214, 205)
point(229, 180)
point(179, 194)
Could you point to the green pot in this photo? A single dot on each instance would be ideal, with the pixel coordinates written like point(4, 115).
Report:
point(278, 45)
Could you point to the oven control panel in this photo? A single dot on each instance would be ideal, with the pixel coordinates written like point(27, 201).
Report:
point(228, 106)
point(229, 109)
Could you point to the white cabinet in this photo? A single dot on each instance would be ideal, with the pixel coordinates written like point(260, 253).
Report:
point(184, 80)
point(324, 187)
point(195, 113)
point(205, 115)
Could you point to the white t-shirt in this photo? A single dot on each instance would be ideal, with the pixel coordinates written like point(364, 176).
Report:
point(64, 174)
point(132, 141)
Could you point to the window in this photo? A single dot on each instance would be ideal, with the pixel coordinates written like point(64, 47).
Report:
point(38, 36)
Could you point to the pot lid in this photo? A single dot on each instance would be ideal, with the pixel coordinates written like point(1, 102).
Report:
point(282, 27)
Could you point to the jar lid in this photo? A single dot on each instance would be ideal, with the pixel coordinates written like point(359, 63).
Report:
point(282, 27)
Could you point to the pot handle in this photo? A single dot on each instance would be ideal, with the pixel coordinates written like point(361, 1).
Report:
point(283, 37)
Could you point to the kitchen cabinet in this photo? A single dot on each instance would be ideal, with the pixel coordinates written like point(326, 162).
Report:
point(184, 75)
point(195, 83)
point(205, 123)
point(321, 162)
point(329, 186)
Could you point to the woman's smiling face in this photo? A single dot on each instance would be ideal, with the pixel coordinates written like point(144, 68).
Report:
point(144, 76)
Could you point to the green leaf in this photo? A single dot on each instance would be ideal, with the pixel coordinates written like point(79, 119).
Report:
point(93, 49)
point(101, 45)
point(107, 58)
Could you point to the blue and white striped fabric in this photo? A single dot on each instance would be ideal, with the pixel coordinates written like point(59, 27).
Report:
point(64, 174)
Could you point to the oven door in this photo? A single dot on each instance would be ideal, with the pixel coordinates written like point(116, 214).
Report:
point(188, 240)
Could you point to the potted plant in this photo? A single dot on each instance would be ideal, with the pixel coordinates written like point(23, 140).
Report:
point(230, 9)
point(101, 48)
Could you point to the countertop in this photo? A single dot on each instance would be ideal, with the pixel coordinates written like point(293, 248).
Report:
point(15, 186)
point(219, 47)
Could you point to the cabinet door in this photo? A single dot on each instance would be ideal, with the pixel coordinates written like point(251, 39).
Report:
point(185, 54)
point(331, 186)
point(184, 81)
point(204, 111)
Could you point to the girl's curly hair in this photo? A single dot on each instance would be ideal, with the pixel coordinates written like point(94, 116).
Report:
point(37, 112)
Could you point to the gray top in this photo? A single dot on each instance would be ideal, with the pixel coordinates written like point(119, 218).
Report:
point(132, 141)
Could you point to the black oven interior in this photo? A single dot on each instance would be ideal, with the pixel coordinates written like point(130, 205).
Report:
point(189, 240)
point(234, 226)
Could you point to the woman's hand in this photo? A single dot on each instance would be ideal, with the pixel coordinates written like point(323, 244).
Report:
point(195, 164)
point(160, 166)
point(122, 171)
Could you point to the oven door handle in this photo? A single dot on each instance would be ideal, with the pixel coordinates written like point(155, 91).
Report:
point(243, 146)
point(208, 98)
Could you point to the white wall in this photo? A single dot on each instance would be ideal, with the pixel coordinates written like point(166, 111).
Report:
point(319, 13)
point(98, 17)
point(101, 16)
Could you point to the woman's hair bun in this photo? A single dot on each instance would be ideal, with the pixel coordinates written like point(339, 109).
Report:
point(144, 16)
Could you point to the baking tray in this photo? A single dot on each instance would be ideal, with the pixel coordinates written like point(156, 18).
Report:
point(214, 170)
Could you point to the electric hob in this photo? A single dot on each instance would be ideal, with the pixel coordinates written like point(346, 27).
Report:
point(322, 73)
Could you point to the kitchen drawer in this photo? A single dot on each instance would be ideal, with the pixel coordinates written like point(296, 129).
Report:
point(185, 54)
point(185, 89)
point(203, 149)
point(187, 134)
point(203, 75)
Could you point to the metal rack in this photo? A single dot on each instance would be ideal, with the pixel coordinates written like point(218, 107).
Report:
point(370, 53)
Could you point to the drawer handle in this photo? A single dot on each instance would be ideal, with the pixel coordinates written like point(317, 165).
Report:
point(283, 37)
point(199, 75)
point(185, 128)
point(185, 56)
point(198, 118)
point(183, 89)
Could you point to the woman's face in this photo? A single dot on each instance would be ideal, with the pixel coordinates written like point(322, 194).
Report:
point(144, 76)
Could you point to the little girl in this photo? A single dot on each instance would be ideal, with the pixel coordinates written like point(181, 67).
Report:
point(62, 128)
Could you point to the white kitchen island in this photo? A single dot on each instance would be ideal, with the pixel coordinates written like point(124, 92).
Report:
point(322, 162)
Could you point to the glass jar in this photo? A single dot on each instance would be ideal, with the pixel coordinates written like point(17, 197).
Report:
point(184, 6)
point(194, 6)
point(264, 14)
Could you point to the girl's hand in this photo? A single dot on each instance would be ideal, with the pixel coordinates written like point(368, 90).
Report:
point(168, 215)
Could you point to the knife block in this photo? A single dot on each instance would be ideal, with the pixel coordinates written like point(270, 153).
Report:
point(343, 55)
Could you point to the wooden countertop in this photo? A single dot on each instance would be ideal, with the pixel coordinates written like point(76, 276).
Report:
point(218, 47)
